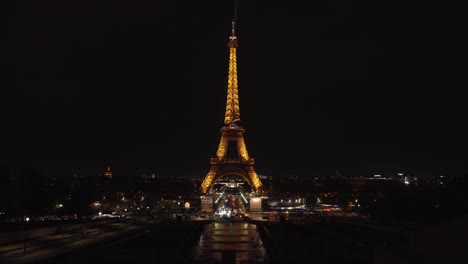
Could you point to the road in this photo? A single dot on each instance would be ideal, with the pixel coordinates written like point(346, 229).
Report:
point(168, 242)
point(173, 241)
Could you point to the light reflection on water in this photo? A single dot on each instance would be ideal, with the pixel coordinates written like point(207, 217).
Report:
point(222, 236)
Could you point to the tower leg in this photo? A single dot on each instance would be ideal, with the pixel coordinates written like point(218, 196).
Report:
point(209, 179)
point(254, 178)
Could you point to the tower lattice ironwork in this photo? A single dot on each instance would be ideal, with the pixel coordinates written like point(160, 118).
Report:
point(242, 165)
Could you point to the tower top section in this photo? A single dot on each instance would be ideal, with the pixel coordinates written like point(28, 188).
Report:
point(233, 38)
point(232, 103)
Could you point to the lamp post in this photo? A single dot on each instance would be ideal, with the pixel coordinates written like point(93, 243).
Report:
point(74, 227)
point(25, 235)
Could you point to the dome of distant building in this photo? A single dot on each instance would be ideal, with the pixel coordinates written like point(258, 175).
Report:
point(108, 173)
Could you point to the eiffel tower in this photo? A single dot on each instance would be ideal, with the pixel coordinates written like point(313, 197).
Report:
point(242, 165)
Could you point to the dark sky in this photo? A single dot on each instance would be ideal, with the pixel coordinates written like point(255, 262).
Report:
point(352, 86)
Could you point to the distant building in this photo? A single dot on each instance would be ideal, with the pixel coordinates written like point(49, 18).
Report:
point(108, 173)
point(264, 177)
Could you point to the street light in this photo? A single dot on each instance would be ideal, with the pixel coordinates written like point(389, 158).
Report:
point(26, 235)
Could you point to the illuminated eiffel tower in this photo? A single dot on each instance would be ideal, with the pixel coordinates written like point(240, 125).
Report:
point(242, 165)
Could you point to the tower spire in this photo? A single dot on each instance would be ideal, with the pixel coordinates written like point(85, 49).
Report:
point(233, 29)
point(232, 102)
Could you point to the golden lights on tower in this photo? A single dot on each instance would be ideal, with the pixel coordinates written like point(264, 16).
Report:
point(232, 102)
point(243, 164)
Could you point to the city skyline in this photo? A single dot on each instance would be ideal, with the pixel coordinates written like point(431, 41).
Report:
point(141, 87)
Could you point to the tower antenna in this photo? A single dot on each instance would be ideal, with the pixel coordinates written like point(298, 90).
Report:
point(234, 20)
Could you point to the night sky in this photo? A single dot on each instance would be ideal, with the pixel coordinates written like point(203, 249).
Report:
point(352, 86)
